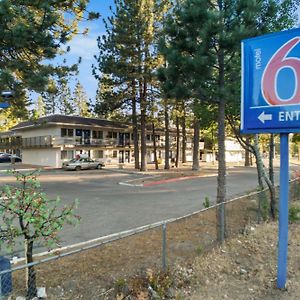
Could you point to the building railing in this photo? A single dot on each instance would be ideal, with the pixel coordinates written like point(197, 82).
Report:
point(37, 141)
point(6, 143)
point(81, 141)
point(55, 141)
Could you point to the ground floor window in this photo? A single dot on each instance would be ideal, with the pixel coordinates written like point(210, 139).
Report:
point(67, 154)
point(115, 154)
point(98, 154)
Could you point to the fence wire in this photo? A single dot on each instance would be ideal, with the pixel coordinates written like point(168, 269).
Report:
point(86, 272)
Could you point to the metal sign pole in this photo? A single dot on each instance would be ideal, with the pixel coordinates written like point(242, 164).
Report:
point(283, 211)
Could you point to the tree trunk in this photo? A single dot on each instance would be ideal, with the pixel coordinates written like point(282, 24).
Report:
point(196, 140)
point(271, 177)
point(167, 137)
point(259, 163)
point(177, 142)
point(135, 129)
point(30, 271)
point(262, 176)
point(183, 125)
point(247, 153)
point(221, 189)
point(143, 127)
point(154, 146)
point(271, 159)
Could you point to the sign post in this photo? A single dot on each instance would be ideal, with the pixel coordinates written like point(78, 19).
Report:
point(270, 103)
point(283, 211)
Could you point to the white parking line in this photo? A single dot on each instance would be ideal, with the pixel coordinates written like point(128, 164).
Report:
point(127, 182)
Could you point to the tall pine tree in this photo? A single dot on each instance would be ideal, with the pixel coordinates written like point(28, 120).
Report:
point(128, 58)
point(32, 33)
point(81, 101)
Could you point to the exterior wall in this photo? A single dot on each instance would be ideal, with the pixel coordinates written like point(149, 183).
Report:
point(54, 131)
point(42, 157)
point(232, 156)
point(234, 151)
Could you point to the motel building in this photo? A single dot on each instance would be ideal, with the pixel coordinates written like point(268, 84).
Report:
point(51, 140)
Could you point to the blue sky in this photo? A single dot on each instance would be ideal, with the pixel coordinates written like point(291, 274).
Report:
point(86, 46)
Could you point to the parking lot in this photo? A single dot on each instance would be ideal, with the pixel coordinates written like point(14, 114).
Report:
point(106, 206)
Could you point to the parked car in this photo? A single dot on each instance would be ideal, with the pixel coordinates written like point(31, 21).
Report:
point(9, 158)
point(82, 163)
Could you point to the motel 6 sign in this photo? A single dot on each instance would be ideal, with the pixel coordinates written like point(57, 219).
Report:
point(271, 83)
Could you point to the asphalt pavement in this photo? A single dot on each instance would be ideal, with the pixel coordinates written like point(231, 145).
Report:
point(107, 207)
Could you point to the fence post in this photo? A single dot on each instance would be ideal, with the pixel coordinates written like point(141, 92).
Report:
point(164, 247)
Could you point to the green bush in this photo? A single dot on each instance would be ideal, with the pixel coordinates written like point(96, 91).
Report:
point(294, 214)
point(206, 202)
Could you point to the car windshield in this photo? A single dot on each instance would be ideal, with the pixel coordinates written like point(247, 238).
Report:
point(73, 160)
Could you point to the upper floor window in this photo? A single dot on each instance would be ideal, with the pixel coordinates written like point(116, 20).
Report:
point(97, 134)
point(67, 132)
point(112, 135)
point(78, 132)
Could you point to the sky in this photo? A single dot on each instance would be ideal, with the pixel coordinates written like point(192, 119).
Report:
point(86, 46)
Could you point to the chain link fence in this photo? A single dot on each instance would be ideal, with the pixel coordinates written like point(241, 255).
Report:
point(85, 273)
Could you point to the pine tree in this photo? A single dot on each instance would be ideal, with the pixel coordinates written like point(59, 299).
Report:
point(118, 65)
point(50, 97)
point(81, 101)
point(65, 100)
point(128, 57)
point(203, 41)
point(32, 33)
point(40, 107)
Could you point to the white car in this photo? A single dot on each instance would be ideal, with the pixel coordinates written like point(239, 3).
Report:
point(82, 164)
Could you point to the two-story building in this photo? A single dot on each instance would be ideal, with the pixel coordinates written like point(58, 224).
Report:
point(50, 140)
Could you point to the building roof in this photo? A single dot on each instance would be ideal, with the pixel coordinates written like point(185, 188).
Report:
point(69, 120)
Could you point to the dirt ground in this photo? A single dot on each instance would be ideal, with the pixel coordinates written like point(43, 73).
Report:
point(245, 267)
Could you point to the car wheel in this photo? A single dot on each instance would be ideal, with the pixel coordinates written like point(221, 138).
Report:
point(77, 168)
point(99, 166)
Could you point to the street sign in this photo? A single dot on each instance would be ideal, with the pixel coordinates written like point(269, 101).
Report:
point(4, 105)
point(6, 95)
point(270, 99)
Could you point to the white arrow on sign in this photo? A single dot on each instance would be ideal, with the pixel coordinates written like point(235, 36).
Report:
point(265, 117)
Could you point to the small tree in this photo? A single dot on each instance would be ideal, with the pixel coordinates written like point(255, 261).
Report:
point(27, 213)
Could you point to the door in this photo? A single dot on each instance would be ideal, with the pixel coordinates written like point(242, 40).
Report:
point(86, 137)
point(121, 156)
point(121, 139)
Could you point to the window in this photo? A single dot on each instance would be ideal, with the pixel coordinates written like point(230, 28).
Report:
point(70, 132)
point(97, 134)
point(148, 137)
point(67, 132)
point(98, 154)
point(67, 154)
point(112, 135)
point(63, 132)
point(78, 132)
point(115, 154)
